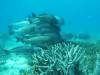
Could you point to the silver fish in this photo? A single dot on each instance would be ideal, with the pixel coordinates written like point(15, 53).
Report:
point(24, 50)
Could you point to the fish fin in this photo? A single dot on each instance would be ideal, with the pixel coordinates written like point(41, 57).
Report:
point(10, 30)
point(33, 15)
point(5, 50)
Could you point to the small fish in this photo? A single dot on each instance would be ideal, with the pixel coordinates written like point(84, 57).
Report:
point(68, 36)
point(84, 36)
point(20, 50)
point(24, 50)
point(33, 14)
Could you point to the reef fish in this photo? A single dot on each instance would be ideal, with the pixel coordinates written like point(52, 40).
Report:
point(23, 50)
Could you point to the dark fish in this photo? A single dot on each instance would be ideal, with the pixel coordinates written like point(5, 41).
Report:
point(68, 36)
point(23, 50)
point(33, 14)
point(84, 36)
point(20, 50)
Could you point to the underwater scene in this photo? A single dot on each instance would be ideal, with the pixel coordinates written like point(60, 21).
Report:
point(49, 37)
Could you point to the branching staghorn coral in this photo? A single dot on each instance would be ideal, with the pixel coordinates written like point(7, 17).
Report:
point(60, 59)
point(97, 68)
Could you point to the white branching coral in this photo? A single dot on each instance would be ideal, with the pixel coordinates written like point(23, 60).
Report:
point(60, 59)
point(97, 68)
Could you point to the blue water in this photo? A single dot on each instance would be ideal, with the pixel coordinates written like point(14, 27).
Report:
point(80, 15)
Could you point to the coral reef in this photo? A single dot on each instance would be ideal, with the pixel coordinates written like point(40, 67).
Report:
point(36, 47)
point(97, 68)
point(37, 31)
point(60, 59)
point(92, 48)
